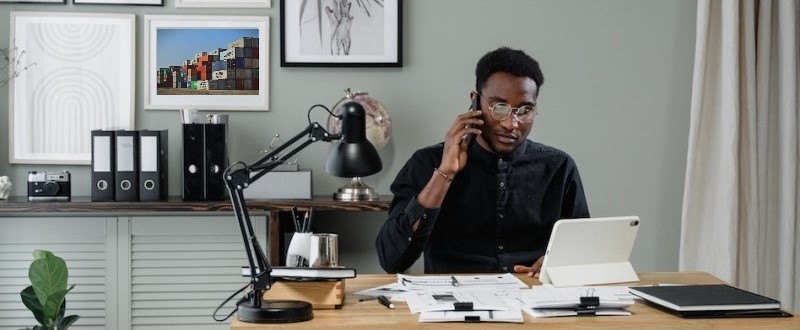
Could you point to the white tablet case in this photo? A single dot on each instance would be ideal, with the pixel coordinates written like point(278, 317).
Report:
point(590, 251)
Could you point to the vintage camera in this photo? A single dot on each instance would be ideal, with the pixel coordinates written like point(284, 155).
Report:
point(48, 186)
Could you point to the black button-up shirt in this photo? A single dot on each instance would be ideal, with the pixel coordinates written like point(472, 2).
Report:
point(498, 212)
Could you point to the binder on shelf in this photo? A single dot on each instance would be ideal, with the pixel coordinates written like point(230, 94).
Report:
point(103, 166)
point(216, 161)
point(152, 165)
point(193, 162)
point(127, 165)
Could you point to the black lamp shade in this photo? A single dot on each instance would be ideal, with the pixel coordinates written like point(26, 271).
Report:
point(353, 155)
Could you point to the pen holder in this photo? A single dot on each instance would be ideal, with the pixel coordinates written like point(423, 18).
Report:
point(298, 253)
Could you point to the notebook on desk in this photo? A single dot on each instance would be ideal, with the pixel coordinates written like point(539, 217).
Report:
point(590, 251)
point(710, 300)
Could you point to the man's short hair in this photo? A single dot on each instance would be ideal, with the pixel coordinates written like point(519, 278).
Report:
point(512, 61)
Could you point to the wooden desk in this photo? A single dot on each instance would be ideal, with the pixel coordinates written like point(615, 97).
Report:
point(279, 211)
point(372, 315)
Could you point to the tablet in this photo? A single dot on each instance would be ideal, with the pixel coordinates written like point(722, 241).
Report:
point(590, 251)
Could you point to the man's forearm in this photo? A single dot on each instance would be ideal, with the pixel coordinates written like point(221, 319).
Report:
point(433, 194)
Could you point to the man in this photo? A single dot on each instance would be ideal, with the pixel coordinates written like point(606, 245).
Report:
point(487, 206)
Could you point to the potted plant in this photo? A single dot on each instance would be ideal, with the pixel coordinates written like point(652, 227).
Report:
point(46, 296)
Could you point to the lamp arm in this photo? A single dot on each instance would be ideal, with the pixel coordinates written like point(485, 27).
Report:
point(239, 179)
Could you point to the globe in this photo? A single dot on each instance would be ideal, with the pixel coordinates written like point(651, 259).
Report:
point(379, 123)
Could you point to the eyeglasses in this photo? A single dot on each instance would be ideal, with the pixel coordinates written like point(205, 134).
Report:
point(524, 114)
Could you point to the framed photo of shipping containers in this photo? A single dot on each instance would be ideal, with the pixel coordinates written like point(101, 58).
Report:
point(206, 62)
point(222, 3)
point(122, 2)
point(73, 73)
point(341, 33)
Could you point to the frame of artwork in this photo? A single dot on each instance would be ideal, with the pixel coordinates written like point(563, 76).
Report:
point(206, 62)
point(341, 33)
point(121, 2)
point(73, 73)
point(222, 3)
point(34, 1)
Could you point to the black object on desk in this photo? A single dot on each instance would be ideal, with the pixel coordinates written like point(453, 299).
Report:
point(710, 300)
point(385, 301)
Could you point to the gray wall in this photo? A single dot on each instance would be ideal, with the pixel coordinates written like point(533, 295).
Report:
point(616, 97)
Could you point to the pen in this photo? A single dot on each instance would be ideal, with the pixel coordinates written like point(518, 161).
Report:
point(310, 218)
point(295, 220)
point(453, 281)
point(385, 301)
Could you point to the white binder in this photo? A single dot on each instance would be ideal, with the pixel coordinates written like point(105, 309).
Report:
point(590, 251)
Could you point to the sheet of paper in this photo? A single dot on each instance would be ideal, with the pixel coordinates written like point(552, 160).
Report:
point(569, 297)
point(556, 312)
point(394, 291)
point(505, 280)
point(511, 314)
point(495, 299)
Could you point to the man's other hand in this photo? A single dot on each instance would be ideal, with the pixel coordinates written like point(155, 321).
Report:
point(533, 270)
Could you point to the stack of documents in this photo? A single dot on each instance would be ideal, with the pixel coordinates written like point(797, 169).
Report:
point(548, 301)
point(463, 298)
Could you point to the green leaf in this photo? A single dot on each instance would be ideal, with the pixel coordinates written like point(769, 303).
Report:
point(66, 322)
point(41, 254)
point(48, 274)
point(53, 305)
point(30, 301)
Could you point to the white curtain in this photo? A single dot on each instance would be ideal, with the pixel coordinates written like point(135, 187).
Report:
point(740, 213)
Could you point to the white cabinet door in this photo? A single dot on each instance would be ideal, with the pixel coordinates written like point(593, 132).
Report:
point(88, 245)
point(181, 268)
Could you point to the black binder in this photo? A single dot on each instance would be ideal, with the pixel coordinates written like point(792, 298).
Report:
point(216, 161)
point(152, 165)
point(103, 166)
point(193, 162)
point(127, 165)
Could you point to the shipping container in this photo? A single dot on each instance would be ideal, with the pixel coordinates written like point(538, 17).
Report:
point(216, 51)
point(251, 84)
point(246, 73)
point(223, 74)
point(244, 42)
point(237, 52)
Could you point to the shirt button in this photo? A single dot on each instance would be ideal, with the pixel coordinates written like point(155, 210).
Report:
point(500, 215)
point(424, 215)
point(502, 184)
point(500, 247)
point(409, 239)
point(505, 268)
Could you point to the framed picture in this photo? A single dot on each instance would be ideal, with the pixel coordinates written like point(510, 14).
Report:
point(222, 3)
point(73, 73)
point(342, 33)
point(33, 1)
point(206, 62)
point(122, 2)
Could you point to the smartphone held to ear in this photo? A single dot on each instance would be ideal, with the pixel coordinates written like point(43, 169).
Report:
point(476, 105)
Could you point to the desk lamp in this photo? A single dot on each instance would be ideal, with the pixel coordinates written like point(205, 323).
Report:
point(353, 155)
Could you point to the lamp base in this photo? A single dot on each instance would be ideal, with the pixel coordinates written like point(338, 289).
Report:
point(276, 311)
point(356, 190)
